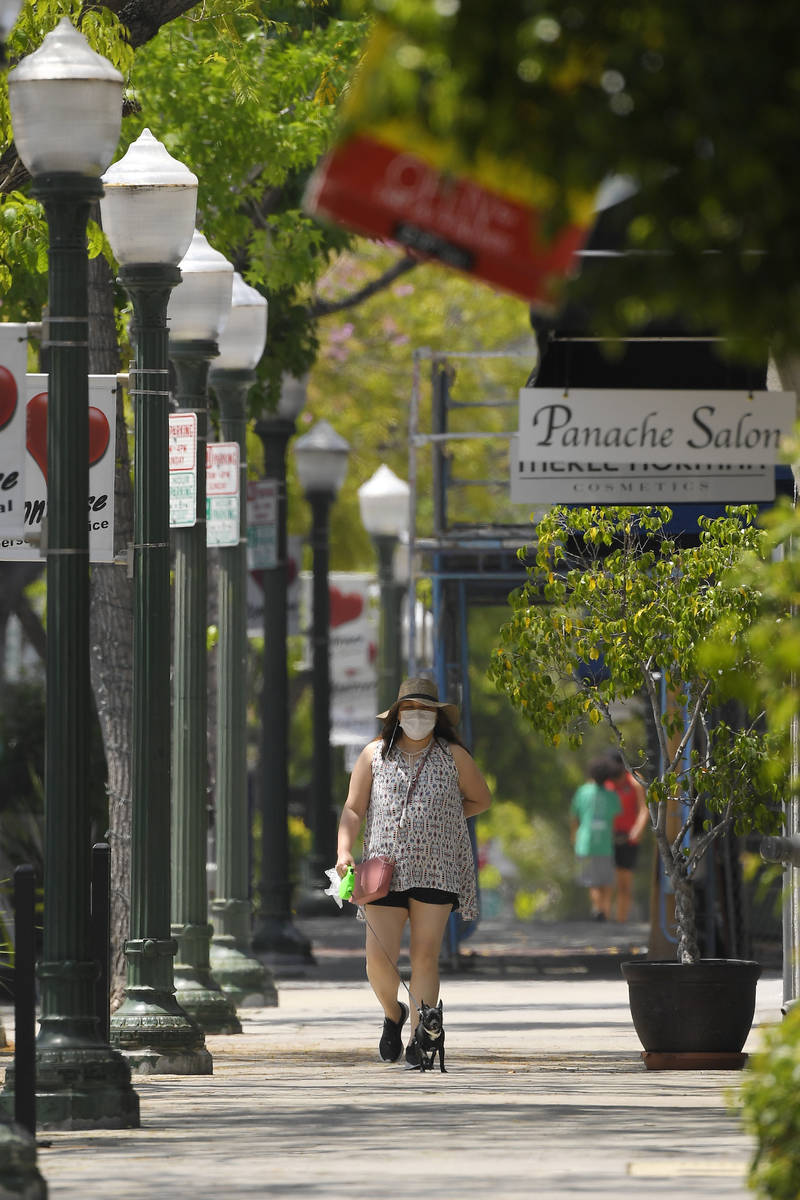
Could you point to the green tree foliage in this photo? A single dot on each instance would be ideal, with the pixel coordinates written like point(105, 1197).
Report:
point(613, 606)
point(363, 377)
point(771, 1112)
point(23, 232)
point(250, 106)
point(245, 93)
point(698, 105)
point(758, 660)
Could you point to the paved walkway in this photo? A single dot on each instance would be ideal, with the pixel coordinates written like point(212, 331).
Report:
point(545, 1096)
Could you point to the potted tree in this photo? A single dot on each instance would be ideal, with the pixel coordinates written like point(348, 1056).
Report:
point(615, 608)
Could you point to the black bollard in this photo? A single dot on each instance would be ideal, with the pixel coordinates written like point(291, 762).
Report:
point(101, 933)
point(25, 999)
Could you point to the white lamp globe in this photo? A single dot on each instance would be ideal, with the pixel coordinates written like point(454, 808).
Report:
point(242, 341)
point(149, 204)
point(66, 106)
point(321, 459)
point(201, 303)
point(292, 400)
point(383, 501)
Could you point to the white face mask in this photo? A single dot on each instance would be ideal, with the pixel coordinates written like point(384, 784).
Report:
point(417, 723)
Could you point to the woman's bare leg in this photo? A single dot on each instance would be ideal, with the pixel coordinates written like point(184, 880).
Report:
point(428, 923)
point(383, 951)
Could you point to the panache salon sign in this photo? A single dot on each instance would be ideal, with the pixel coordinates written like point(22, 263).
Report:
point(644, 425)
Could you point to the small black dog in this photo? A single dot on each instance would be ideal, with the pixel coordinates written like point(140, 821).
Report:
point(429, 1036)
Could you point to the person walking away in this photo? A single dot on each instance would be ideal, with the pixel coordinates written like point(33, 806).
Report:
point(592, 813)
point(424, 829)
point(629, 825)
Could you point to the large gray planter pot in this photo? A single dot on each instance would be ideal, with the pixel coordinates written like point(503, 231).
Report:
point(703, 1008)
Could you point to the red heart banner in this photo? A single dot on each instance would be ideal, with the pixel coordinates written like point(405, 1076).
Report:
point(345, 606)
point(36, 432)
point(8, 396)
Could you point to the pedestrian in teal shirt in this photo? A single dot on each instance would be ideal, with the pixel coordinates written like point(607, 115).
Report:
point(592, 813)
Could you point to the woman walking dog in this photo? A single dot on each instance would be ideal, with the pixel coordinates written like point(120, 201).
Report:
point(415, 786)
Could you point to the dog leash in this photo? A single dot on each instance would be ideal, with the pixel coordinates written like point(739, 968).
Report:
point(392, 962)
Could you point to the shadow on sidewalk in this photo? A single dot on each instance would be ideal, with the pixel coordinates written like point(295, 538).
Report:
point(497, 948)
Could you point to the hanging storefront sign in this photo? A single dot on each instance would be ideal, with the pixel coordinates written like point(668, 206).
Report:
point(222, 494)
point(102, 431)
point(393, 180)
point(590, 425)
point(182, 470)
point(546, 483)
point(13, 361)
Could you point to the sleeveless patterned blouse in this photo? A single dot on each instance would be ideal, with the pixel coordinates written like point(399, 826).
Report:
point(432, 849)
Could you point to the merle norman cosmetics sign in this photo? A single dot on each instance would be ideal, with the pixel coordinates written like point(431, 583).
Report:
point(544, 483)
point(591, 425)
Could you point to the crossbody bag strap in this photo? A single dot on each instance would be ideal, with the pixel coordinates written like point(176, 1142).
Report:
point(408, 796)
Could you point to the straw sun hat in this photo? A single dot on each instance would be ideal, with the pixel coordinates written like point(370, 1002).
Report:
point(425, 690)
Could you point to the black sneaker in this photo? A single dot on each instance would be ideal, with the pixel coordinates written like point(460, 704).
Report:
point(390, 1046)
point(413, 1060)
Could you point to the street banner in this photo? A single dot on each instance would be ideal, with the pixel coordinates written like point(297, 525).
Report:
point(546, 483)
point(222, 494)
point(102, 454)
point(13, 363)
point(262, 524)
point(354, 631)
point(637, 425)
point(182, 470)
point(393, 180)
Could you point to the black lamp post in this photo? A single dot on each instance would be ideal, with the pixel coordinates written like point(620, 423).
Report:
point(321, 459)
point(148, 216)
point(197, 312)
point(383, 501)
point(66, 109)
point(276, 938)
point(246, 980)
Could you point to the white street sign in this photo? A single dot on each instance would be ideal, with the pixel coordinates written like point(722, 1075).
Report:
point(182, 470)
point(102, 443)
point(222, 469)
point(262, 524)
point(222, 494)
point(593, 425)
point(222, 521)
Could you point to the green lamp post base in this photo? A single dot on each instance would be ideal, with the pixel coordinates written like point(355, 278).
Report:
point(245, 980)
point(156, 1037)
point(79, 1088)
point(150, 1029)
point(197, 991)
point(19, 1175)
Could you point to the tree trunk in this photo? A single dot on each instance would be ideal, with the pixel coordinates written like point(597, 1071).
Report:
point(111, 633)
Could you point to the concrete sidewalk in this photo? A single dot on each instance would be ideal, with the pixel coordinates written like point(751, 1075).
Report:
point(545, 1095)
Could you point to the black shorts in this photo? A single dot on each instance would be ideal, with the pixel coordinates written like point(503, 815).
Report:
point(426, 895)
point(625, 854)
